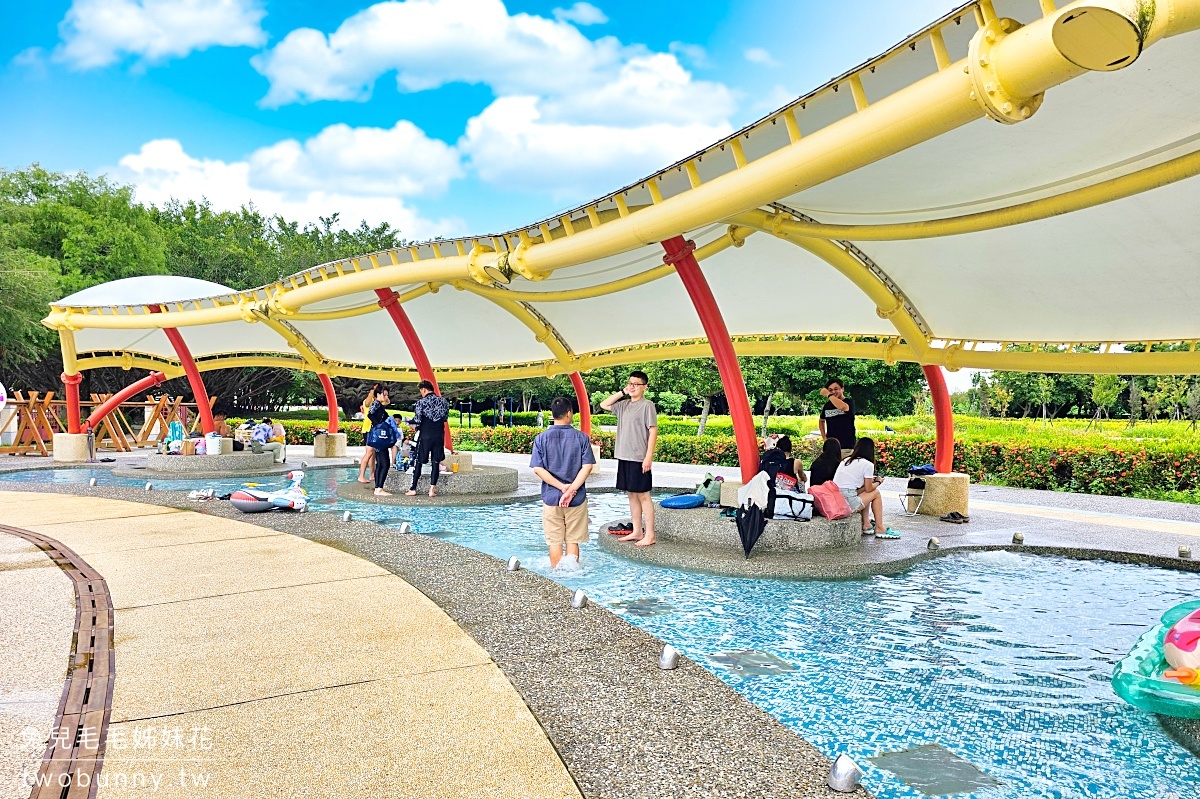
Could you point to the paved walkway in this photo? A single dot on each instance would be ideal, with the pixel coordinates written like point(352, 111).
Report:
point(256, 663)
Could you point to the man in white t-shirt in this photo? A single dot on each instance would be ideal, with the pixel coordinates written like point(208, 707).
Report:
point(855, 478)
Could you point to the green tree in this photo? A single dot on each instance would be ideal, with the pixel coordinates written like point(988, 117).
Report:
point(1105, 391)
point(1193, 404)
point(697, 378)
point(1135, 400)
point(90, 227)
point(28, 284)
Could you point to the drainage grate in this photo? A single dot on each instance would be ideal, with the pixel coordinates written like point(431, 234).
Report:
point(934, 770)
point(76, 749)
point(752, 662)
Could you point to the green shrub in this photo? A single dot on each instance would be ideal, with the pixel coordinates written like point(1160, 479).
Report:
point(521, 418)
point(515, 439)
point(1152, 468)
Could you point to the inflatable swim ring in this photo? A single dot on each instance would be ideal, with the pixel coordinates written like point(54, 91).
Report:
point(1159, 673)
point(683, 501)
point(252, 500)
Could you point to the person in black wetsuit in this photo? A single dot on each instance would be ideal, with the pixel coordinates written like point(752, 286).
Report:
point(429, 418)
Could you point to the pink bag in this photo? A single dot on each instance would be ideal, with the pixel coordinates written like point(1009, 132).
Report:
point(828, 500)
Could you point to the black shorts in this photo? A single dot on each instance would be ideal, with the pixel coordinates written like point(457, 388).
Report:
point(630, 477)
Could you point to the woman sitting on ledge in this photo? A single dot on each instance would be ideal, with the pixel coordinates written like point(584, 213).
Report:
point(856, 479)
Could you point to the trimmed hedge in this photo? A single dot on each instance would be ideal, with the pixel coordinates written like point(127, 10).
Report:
point(1141, 468)
point(521, 418)
point(1111, 470)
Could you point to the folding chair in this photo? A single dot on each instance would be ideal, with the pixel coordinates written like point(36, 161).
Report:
point(911, 497)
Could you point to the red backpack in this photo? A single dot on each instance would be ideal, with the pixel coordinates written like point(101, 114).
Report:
point(829, 502)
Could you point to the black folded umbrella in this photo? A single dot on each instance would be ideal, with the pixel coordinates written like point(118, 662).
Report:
point(750, 523)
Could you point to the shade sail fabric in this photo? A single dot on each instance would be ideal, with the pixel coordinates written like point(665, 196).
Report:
point(1125, 270)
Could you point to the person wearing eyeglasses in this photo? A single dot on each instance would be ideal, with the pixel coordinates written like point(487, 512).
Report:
point(637, 435)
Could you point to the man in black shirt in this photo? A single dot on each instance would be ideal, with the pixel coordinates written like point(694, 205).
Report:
point(837, 416)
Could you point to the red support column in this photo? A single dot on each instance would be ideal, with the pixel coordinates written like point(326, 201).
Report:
point(585, 404)
point(71, 384)
point(389, 301)
point(110, 404)
point(330, 402)
point(679, 253)
point(193, 375)
point(943, 459)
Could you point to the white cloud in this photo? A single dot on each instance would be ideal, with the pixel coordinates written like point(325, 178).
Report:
point(96, 33)
point(399, 161)
point(429, 43)
point(757, 55)
point(652, 88)
point(581, 14)
point(162, 170)
point(509, 144)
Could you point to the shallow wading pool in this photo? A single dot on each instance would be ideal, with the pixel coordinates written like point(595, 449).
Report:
point(996, 659)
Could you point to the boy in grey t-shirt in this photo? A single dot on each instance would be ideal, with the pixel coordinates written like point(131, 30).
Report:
point(637, 435)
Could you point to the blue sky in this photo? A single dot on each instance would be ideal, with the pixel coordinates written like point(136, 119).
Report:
point(441, 116)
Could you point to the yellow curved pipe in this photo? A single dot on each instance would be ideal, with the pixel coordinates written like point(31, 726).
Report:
point(433, 270)
point(358, 310)
point(296, 341)
point(732, 238)
point(60, 318)
point(1143, 180)
point(66, 343)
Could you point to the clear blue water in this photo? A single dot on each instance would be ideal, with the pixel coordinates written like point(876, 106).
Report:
point(1003, 659)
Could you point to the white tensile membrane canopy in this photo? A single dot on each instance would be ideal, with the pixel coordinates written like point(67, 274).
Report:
point(1123, 269)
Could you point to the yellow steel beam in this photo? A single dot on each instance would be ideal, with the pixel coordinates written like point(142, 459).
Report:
point(1143, 180)
point(358, 310)
point(72, 319)
point(66, 343)
point(128, 360)
point(734, 237)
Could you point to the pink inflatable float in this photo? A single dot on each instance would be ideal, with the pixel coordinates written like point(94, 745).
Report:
point(1181, 649)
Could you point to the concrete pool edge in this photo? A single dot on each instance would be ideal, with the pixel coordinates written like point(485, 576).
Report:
point(622, 726)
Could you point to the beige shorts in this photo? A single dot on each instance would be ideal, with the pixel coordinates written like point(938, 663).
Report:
point(565, 524)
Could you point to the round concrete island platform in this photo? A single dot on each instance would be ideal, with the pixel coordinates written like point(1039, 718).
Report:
point(708, 527)
point(232, 465)
point(482, 483)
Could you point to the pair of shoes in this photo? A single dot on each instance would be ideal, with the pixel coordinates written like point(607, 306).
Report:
point(954, 517)
point(620, 529)
point(888, 533)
